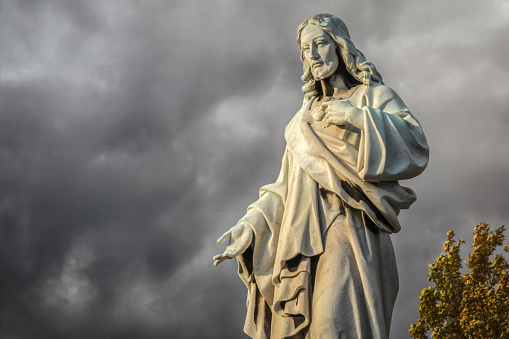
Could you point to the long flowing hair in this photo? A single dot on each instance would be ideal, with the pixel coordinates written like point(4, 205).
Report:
point(362, 71)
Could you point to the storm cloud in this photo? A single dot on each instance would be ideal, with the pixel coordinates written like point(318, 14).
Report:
point(134, 133)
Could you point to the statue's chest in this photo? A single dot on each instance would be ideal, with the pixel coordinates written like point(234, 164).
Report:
point(314, 116)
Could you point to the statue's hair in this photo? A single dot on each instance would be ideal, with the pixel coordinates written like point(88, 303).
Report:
point(362, 71)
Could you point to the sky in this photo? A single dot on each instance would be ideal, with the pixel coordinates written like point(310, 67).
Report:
point(134, 133)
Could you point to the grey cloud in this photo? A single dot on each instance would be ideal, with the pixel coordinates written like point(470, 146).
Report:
point(133, 135)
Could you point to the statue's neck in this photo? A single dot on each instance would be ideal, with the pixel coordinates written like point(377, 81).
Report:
point(334, 85)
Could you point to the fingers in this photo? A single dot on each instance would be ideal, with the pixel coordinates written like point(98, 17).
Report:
point(339, 104)
point(334, 120)
point(241, 236)
point(329, 107)
point(224, 237)
point(218, 261)
point(220, 258)
point(229, 253)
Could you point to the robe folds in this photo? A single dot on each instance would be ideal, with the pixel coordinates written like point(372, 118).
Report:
point(321, 263)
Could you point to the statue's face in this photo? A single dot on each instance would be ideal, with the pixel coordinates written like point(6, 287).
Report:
point(319, 51)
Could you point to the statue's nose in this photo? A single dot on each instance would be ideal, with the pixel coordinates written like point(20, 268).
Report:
point(314, 53)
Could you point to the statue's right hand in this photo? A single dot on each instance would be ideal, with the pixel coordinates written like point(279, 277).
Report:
point(241, 237)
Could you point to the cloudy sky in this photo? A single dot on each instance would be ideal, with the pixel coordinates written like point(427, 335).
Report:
point(134, 133)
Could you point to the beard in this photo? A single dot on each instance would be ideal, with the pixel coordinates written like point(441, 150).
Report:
point(324, 70)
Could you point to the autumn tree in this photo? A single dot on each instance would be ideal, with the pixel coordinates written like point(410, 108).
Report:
point(471, 305)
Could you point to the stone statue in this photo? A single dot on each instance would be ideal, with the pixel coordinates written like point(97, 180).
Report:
point(315, 251)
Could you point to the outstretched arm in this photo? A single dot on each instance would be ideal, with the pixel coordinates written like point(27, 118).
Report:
point(262, 218)
point(240, 237)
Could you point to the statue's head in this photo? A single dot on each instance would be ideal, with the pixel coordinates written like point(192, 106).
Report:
point(326, 49)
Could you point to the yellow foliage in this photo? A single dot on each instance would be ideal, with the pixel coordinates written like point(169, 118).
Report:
point(472, 305)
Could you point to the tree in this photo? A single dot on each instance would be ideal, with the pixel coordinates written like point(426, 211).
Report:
point(471, 305)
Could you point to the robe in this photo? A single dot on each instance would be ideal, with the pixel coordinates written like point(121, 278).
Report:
point(321, 264)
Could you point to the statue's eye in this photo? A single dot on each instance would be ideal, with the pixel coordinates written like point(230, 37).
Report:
point(305, 48)
point(320, 43)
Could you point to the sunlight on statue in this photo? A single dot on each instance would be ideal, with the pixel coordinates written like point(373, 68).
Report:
point(315, 251)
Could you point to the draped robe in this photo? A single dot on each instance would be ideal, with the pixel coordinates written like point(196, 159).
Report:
point(322, 229)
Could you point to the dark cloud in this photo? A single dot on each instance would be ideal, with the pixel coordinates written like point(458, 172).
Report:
point(134, 134)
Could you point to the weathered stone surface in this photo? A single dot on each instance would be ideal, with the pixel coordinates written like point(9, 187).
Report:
point(315, 251)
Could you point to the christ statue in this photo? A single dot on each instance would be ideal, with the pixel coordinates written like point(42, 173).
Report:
point(315, 249)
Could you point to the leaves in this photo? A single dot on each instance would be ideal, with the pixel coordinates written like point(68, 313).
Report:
point(471, 305)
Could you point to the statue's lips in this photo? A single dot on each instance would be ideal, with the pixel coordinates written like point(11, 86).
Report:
point(317, 64)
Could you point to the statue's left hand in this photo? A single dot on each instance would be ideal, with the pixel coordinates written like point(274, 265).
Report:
point(241, 237)
point(339, 112)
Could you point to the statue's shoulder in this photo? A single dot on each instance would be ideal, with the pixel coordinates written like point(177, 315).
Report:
point(380, 90)
point(384, 95)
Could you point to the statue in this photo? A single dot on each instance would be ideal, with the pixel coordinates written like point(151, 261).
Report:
point(315, 251)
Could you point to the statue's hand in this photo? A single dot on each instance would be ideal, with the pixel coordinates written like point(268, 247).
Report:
point(339, 112)
point(241, 237)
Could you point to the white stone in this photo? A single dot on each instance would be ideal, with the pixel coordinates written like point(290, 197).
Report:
point(315, 251)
